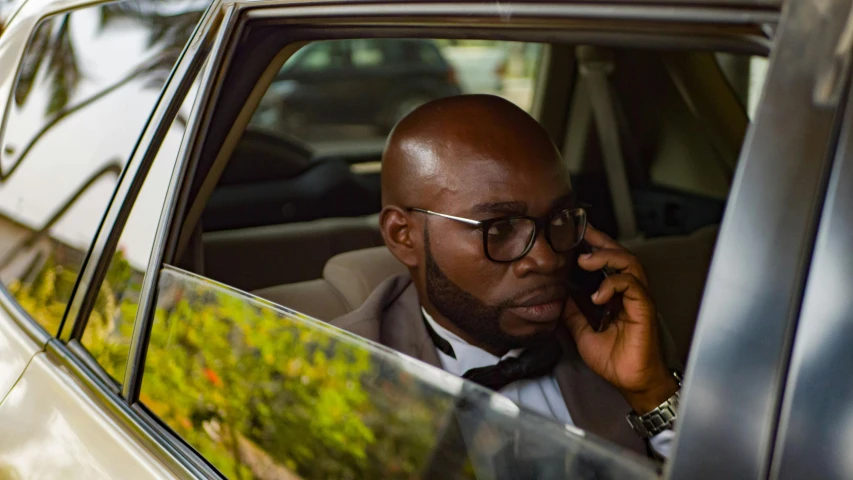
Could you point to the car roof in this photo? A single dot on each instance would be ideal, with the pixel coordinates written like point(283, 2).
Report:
point(770, 4)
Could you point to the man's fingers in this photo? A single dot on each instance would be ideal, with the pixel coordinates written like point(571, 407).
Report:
point(620, 260)
point(599, 239)
point(628, 285)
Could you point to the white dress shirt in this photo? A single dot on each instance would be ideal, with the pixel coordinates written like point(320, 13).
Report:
point(541, 395)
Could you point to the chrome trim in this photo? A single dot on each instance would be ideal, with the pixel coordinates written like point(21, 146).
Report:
point(816, 424)
point(737, 367)
point(161, 445)
point(198, 120)
point(506, 12)
point(83, 355)
point(131, 181)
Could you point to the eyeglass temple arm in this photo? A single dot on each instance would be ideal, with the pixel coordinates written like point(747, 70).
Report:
point(451, 217)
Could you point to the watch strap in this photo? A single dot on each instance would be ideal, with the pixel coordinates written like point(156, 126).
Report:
point(661, 418)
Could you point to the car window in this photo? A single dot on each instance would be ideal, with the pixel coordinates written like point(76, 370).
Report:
point(109, 327)
point(315, 145)
point(61, 152)
point(263, 392)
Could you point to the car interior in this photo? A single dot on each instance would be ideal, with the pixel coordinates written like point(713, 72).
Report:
point(650, 137)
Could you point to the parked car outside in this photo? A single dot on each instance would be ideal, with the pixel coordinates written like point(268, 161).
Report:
point(373, 82)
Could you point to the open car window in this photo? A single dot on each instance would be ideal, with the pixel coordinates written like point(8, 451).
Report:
point(262, 391)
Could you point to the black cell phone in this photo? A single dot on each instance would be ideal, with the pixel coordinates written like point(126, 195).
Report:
point(582, 284)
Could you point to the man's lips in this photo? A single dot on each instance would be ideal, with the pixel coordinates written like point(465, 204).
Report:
point(541, 306)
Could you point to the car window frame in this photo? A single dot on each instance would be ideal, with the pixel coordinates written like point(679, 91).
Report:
point(179, 191)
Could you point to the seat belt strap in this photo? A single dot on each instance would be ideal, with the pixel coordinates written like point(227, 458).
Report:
point(595, 68)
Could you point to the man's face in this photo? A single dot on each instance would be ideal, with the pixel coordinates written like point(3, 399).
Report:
point(501, 305)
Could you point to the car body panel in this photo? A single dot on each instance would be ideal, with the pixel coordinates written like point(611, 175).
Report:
point(816, 424)
point(16, 350)
point(52, 429)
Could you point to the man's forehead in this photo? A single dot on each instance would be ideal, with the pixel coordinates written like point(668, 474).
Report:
point(502, 205)
point(484, 185)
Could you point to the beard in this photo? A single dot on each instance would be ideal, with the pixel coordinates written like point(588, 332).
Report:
point(477, 319)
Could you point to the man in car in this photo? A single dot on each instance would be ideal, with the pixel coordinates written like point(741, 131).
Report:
point(478, 206)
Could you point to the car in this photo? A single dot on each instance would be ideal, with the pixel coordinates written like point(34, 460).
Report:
point(373, 82)
point(170, 257)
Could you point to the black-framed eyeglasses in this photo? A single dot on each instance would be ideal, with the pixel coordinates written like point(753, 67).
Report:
point(507, 239)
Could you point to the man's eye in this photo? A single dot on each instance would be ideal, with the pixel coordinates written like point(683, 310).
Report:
point(501, 229)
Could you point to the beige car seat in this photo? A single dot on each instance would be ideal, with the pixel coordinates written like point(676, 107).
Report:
point(260, 257)
point(347, 281)
point(676, 267)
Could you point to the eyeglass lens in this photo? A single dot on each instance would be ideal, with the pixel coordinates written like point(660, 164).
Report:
point(508, 239)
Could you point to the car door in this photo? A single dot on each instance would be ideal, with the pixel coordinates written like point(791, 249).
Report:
point(816, 421)
point(70, 157)
point(751, 306)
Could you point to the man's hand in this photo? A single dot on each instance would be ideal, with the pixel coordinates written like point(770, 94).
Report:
point(627, 354)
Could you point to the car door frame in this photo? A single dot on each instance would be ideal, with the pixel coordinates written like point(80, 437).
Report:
point(166, 240)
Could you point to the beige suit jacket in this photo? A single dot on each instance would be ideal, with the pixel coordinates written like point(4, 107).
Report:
point(391, 315)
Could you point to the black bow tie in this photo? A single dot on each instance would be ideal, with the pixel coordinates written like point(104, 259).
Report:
point(536, 361)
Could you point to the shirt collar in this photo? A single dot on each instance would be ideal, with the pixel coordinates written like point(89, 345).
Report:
point(467, 356)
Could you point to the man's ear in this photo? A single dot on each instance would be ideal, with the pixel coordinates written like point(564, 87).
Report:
point(398, 232)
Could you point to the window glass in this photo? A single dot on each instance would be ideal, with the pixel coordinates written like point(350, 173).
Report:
point(262, 392)
point(110, 326)
point(63, 146)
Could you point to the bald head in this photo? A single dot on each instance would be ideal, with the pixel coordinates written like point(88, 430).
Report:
point(442, 142)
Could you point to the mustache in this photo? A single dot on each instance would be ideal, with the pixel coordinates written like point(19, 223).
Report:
point(560, 289)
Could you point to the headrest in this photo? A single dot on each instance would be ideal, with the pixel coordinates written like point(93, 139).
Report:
point(357, 273)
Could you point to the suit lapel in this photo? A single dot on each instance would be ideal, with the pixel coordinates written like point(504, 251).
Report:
point(391, 316)
point(594, 405)
point(403, 330)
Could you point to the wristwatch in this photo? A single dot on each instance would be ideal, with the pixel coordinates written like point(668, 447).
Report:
point(661, 418)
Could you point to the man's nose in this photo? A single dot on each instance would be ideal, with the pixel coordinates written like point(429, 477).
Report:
point(540, 259)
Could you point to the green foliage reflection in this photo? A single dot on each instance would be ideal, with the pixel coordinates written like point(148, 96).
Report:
point(266, 394)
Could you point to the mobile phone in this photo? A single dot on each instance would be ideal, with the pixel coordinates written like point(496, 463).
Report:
point(582, 284)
